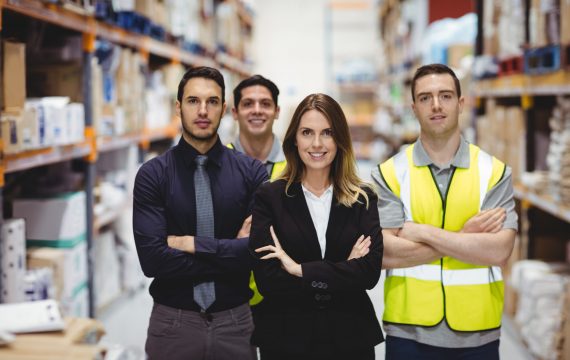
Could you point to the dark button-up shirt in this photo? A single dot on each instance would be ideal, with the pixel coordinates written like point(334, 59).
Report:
point(165, 204)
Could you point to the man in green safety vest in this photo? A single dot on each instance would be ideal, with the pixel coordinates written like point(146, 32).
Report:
point(256, 109)
point(447, 212)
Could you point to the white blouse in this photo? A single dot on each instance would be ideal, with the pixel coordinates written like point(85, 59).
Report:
point(320, 208)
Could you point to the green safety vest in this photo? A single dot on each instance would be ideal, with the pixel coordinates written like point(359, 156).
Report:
point(469, 296)
point(276, 170)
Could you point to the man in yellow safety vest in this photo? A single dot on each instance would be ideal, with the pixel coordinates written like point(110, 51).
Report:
point(256, 109)
point(447, 213)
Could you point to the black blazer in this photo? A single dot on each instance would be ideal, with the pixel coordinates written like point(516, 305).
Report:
point(331, 296)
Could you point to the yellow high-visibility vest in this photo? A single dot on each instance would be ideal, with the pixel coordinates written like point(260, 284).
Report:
point(469, 296)
point(276, 170)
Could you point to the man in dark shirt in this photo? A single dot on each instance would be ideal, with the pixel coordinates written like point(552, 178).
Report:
point(165, 221)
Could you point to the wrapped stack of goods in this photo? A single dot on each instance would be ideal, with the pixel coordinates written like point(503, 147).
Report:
point(507, 146)
point(558, 158)
point(542, 289)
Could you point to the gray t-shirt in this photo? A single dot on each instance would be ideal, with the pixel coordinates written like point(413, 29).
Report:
point(275, 154)
point(391, 212)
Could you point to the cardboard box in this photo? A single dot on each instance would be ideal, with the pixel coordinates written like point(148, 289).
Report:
point(13, 261)
point(565, 22)
point(72, 343)
point(54, 221)
point(145, 7)
point(78, 305)
point(69, 266)
point(14, 81)
point(457, 52)
point(62, 79)
point(107, 280)
point(11, 132)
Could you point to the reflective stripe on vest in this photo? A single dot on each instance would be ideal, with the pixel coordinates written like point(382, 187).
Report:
point(277, 169)
point(469, 296)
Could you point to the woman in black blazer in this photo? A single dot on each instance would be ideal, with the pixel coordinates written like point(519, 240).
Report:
point(314, 264)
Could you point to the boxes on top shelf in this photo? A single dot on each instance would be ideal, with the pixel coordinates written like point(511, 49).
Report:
point(14, 75)
point(565, 24)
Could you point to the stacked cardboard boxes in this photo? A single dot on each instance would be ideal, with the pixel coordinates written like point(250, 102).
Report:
point(56, 233)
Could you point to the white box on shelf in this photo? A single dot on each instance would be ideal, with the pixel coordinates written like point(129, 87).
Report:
point(13, 261)
point(78, 304)
point(107, 269)
point(54, 221)
point(31, 316)
point(75, 122)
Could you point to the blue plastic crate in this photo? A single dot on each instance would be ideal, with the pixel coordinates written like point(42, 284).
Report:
point(542, 60)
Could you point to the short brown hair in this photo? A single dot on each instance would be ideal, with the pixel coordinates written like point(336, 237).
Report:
point(434, 69)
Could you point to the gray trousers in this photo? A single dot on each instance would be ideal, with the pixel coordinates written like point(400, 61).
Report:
point(183, 334)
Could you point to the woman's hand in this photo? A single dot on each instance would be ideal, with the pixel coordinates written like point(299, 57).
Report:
point(276, 251)
point(360, 248)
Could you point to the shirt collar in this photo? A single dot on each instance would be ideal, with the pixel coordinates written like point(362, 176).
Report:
point(460, 160)
point(327, 193)
point(275, 154)
point(189, 153)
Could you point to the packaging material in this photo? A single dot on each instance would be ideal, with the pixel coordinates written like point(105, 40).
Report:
point(158, 103)
point(77, 341)
point(456, 52)
point(13, 261)
point(54, 221)
point(78, 305)
point(542, 288)
point(14, 75)
point(123, 5)
point(107, 269)
point(69, 266)
point(74, 123)
point(56, 119)
point(61, 79)
point(145, 7)
point(33, 316)
point(544, 22)
point(39, 284)
point(491, 16)
point(11, 132)
point(510, 29)
point(228, 34)
point(558, 156)
point(565, 24)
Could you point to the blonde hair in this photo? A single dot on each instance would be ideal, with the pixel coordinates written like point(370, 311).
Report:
point(347, 186)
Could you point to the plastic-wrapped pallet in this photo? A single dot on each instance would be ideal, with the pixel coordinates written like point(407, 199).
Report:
point(510, 29)
point(558, 157)
point(542, 289)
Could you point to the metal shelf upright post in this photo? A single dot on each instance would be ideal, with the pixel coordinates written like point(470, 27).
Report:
point(88, 54)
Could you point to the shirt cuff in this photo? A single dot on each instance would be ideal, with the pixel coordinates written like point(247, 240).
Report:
point(206, 245)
